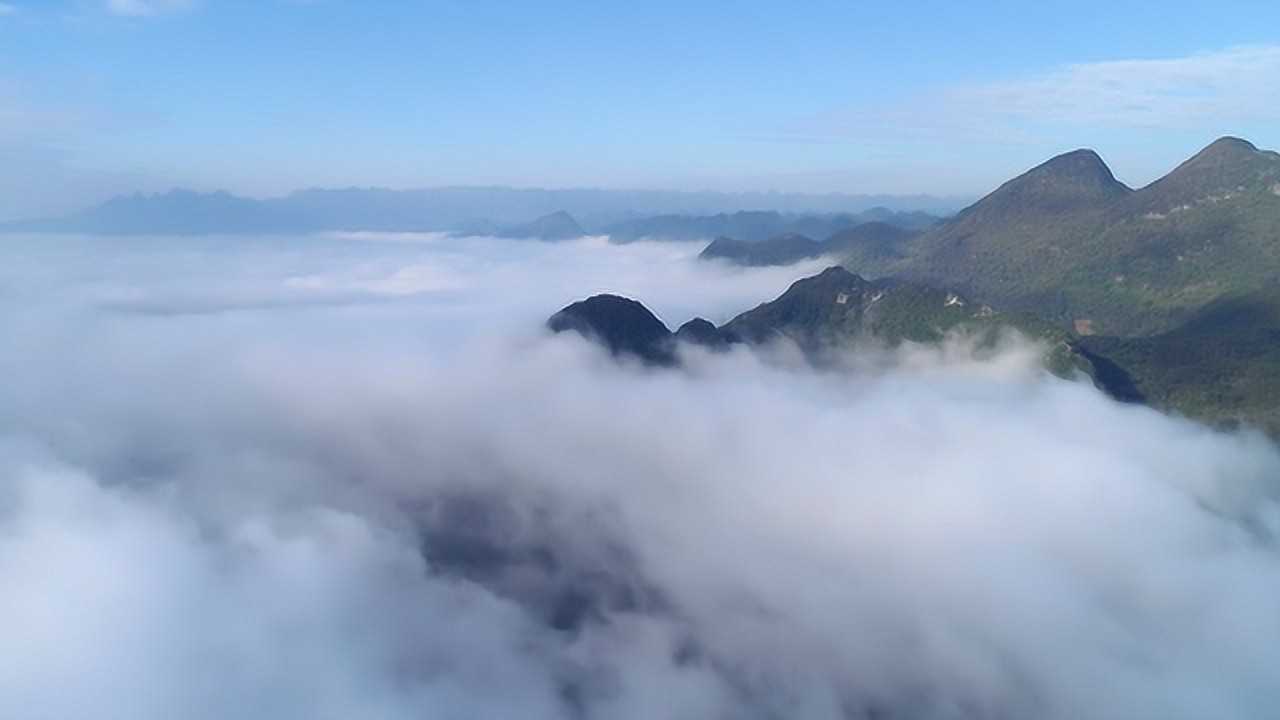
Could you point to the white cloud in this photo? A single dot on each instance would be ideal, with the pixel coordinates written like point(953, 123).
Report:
point(425, 506)
point(1144, 115)
point(141, 8)
point(1200, 91)
point(1225, 86)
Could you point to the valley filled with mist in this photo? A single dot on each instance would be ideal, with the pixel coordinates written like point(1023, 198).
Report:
point(353, 474)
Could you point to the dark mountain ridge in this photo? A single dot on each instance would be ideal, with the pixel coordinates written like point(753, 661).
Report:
point(1222, 366)
point(869, 242)
point(446, 209)
point(622, 325)
point(779, 250)
point(817, 314)
point(758, 226)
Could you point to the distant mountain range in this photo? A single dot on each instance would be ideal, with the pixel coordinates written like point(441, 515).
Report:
point(760, 226)
point(878, 241)
point(779, 250)
point(629, 214)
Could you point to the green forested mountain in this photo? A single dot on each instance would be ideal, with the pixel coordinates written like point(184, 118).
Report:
point(836, 308)
point(1169, 294)
point(1171, 290)
point(871, 242)
point(1069, 242)
point(831, 310)
point(1222, 365)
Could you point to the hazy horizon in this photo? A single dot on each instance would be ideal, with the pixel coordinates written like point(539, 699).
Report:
point(764, 200)
point(262, 98)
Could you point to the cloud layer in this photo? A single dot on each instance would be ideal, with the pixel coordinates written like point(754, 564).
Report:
point(336, 477)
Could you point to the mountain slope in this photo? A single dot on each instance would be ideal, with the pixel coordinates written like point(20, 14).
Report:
point(869, 244)
point(836, 308)
point(1222, 366)
point(558, 225)
point(1067, 241)
point(779, 250)
point(1048, 209)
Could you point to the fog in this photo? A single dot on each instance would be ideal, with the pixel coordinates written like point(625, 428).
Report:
point(351, 476)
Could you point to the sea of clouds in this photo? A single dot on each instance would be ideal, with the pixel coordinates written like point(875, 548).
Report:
point(351, 476)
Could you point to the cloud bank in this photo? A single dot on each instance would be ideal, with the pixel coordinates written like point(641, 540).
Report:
point(327, 477)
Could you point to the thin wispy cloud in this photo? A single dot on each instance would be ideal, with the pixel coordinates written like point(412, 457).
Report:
point(1202, 90)
point(7, 9)
point(1241, 84)
point(144, 8)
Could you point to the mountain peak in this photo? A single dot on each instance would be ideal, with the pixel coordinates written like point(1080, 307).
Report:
point(1229, 144)
point(1081, 159)
point(1225, 167)
point(559, 225)
point(1083, 167)
point(622, 325)
point(1065, 183)
point(1225, 151)
point(700, 331)
point(836, 273)
point(558, 216)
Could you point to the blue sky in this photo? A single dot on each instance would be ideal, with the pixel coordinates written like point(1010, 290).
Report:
point(263, 96)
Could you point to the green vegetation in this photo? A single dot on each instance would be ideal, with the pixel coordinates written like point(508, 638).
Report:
point(837, 307)
point(1167, 291)
point(1166, 295)
point(1068, 242)
point(1222, 366)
